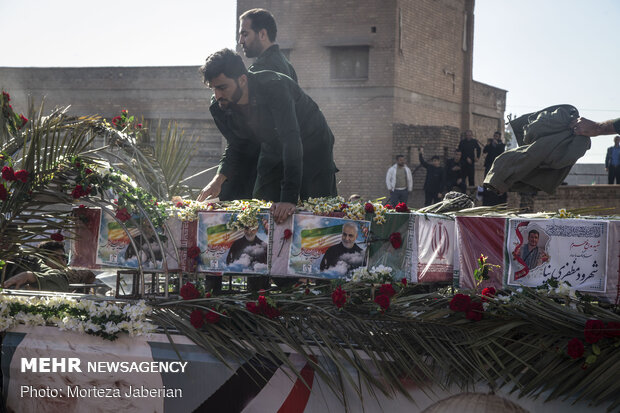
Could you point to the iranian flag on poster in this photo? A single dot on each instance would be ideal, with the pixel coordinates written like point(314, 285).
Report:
point(435, 248)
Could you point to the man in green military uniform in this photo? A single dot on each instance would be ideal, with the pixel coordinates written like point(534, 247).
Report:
point(296, 144)
point(257, 36)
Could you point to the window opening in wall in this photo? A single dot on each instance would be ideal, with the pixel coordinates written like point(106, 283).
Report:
point(350, 62)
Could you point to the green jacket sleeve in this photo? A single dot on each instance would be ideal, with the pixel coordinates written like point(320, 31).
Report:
point(52, 280)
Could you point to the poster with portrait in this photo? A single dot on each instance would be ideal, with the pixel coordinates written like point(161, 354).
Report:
point(116, 241)
point(327, 247)
point(226, 249)
point(382, 252)
point(436, 240)
point(570, 250)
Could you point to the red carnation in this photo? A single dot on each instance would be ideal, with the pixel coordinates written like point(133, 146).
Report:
point(575, 348)
point(88, 171)
point(401, 207)
point(212, 317)
point(21, 175)
point(8, 174)
point(78, 192)
point(488, 292)
point(252, 307)
point(262, 303)
point(396, 240)
point(287, 233)
point(271, 312)
point(370, 208)
point(6, 96)
point(460, 302)
point(116, 120)
point(24, 120)
point(612, 329)
point(404, 282)
point(193, 252)
point(594, 331)
point(388, 206)
point(343, 206)
point(383, 301)
point(387, 289)
point(179, 204)
point(123, 215)
point(475, 311)
point(139, 126)
point(189, 292)
point(196, 318)
point(339, 297)
point(57, 236)
point(3, 192)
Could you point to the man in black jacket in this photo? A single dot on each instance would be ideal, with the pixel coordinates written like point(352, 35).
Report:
point(296, 144)
point(435, 180)
point(493, 149)
point(257, 35)
point(454, 173)
point(470, 148)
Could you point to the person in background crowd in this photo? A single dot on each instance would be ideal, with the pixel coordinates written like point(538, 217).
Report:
point(470, 148)
point(493, 149)
point(612, 162)
point(454, 173)
point(435, 179)
point(399, 181)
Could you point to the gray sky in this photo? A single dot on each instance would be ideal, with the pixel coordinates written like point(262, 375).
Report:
point(544, 52)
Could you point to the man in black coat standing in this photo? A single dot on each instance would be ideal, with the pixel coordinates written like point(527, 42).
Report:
point(493, 149)
point(470, 148)
point(612, 162)
point(435, 179)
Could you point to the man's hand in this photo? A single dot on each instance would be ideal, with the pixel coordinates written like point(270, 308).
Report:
point(469, 161)
point(20, 279)
point(586, 127)
point(281, 211)
point(213, 189)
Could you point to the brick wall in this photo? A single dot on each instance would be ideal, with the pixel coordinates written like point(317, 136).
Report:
point(574, 197)
point(418, 74)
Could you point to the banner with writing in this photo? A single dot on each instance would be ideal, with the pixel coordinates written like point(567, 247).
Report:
point(572, 250)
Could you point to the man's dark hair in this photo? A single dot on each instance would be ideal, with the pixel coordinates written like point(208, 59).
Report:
point(399, 156)
point(533, 232)
point(497, 133)
point(262, 19)
point(435, 157)
point(223, 61)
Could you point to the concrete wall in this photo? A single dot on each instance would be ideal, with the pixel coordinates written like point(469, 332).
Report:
point(166, 93)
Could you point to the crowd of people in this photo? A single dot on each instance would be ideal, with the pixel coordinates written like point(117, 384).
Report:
point(457, 173)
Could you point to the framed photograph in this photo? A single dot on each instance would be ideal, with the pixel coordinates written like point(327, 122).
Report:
point(327, 247)
point(566, 250)
point(224, 248)
point(116, 240)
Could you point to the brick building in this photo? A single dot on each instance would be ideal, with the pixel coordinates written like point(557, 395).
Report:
point(390, 76)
